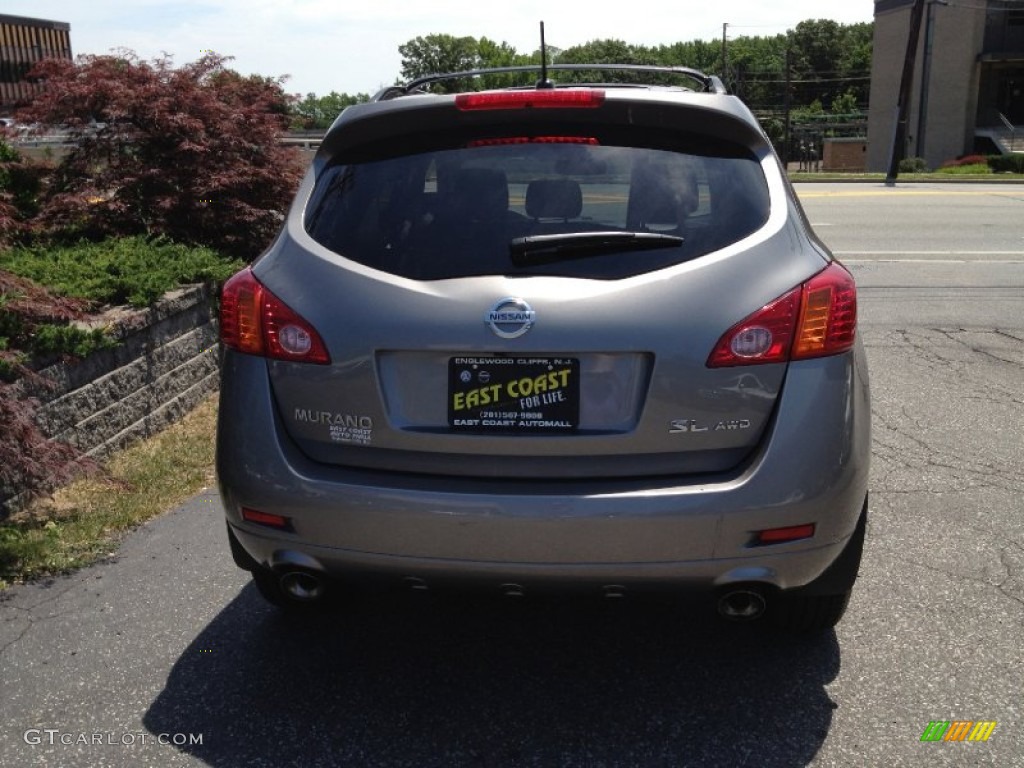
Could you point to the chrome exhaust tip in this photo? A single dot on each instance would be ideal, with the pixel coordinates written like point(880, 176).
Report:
point(302, 586)
point(742, 605)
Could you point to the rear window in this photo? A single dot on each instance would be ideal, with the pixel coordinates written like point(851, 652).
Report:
point(456, 211)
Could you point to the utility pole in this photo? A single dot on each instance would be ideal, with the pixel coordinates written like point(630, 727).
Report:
point(788, 104)
point(899, 142)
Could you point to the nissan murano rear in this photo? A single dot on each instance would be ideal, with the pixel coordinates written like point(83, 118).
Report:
point(556, 337)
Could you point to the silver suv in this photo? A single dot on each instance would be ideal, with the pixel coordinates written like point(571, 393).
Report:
point(557, 336)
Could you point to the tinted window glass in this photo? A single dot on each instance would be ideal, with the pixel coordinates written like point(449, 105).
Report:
point(454, 212)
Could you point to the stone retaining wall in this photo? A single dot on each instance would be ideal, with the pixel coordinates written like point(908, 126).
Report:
point(165, 364)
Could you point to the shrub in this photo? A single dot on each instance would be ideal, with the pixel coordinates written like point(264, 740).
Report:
point(35, 324)
point(191, 153)
point(913, 165)
point(20, 186)
point(965, 161)
point(1013, 163)
point(132, 270)
point(69, 340)
point(28, 459)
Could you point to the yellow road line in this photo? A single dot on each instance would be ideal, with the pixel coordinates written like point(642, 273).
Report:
point(902, 192)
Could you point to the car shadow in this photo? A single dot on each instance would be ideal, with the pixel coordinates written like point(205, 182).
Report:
point(421, 680)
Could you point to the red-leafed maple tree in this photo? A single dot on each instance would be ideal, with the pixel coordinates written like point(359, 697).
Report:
point(189, 152)
point(19, 184)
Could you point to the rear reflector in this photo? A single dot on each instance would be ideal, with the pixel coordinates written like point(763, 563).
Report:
point(578, 98)
point(266, 518)
point(781, 535)
point(816, 319)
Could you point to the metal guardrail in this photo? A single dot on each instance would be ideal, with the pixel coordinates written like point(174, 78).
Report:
point(307, 141)
point(49, 140)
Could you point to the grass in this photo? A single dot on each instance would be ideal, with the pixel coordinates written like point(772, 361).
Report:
point(973, 169)
point(83, 522)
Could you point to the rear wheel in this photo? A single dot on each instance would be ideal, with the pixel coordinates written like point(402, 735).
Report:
point(809, 614)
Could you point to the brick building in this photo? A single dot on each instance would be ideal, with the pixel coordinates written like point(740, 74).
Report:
point(968, 79)
point(23, 42)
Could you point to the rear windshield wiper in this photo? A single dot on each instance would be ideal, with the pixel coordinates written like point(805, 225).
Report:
point(546, 249)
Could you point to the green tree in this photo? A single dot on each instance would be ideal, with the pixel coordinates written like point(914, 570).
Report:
point(810, 112)
point(829, 58)
point(438, 54)
point(697, 54)
point(318, 112)
point(491, 55)
point(855, 59)
point(610, 51)
point(826, 60)
point(757, 71)
point(817, 47)
point(607, 51)
point(845, 104)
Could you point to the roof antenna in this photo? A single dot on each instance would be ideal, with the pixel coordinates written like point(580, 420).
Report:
point(543, 82)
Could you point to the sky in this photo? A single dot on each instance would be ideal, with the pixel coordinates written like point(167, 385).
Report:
point(352, 47)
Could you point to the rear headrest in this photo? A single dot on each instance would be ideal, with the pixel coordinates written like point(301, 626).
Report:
point(554, 199)
point(657, 201)
point(477, 193)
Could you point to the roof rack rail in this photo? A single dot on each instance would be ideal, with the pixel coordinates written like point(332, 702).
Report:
point(708, 83)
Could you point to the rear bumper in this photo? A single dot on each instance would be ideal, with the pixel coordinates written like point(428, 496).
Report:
point(687, 532)
point(785, 570)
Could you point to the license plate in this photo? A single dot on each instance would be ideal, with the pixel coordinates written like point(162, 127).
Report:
point(517, 395)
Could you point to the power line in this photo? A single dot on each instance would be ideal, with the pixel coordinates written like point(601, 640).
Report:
point(807, 82)
point(1012, 6)
point(825, 72)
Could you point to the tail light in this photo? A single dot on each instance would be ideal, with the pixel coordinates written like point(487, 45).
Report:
point(816, 319)
point(828, 315)
point(516, 140)
point(253, 320)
